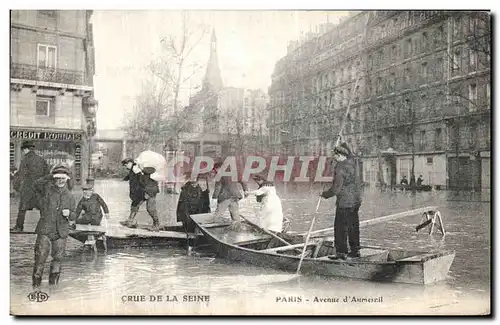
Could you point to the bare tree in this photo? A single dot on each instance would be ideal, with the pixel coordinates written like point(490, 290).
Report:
point(158, 117)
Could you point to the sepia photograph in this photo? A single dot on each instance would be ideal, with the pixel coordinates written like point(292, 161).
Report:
point(250, 162)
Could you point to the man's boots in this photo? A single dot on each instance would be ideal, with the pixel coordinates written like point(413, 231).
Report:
point(130, 222)
point(37, 281)
point(54, 278)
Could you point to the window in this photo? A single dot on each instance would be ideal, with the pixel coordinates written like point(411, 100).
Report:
point(407, 77)
point(473, 136)
point(439, 68)
point(393, 81)
point(438, 141)
point(408, 48)
point(473, 96)
point(44, 105)
point(456, 61)
point(423, 101)
point(47, 56)
point(456, 26)
point(488, 98)
point(424, 70)
point(47, 13)
point(472, 58)
point(394, 53)
point(430, 160)
point(422, 140)
point(425, 41)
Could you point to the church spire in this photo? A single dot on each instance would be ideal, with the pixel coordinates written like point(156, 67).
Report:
point(213, 80)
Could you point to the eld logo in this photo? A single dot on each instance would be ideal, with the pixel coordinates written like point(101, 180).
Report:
point(38, 296)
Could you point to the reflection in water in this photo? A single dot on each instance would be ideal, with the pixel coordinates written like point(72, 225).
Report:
point(107, 277)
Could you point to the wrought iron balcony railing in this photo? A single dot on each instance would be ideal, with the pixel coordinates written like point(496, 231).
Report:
point(32, 72)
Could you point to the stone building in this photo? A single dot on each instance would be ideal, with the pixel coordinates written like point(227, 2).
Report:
point(51, 77)
point(418, 84)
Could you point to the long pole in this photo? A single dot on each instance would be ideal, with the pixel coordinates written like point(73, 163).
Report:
point(306, 242)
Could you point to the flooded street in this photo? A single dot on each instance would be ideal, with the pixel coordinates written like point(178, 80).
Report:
point(104, 283)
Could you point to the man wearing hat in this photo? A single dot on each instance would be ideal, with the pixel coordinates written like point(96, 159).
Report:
point(57, 212)
point(136, 191)
point(32, 168)
point(347, 187)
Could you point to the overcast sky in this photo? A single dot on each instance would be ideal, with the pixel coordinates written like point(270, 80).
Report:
point(248, 44)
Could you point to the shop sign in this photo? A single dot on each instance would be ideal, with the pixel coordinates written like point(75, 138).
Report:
point(42, 135)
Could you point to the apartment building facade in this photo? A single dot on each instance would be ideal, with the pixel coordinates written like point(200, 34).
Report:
point(418, 85)
point(51, 78)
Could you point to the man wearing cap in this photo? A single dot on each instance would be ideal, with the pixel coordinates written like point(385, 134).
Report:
point(32, 168)
point(91, 204)
point(136, 191)
point(57, 212)
point(347, 187)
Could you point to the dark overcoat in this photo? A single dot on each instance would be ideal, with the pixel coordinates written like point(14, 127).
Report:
point(136, 189)
point(54, 199)
point(192, 200)
point(346, 185)
point(32, 168)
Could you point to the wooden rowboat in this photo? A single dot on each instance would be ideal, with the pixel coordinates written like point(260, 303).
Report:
point(254, 246)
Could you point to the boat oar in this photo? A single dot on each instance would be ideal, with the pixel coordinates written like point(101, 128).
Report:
point(266, 231)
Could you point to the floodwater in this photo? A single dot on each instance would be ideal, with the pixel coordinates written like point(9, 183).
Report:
point(116, 282)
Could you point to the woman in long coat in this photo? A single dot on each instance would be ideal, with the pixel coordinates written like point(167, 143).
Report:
point(192, 200)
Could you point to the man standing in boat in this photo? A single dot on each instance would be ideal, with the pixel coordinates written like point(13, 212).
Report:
point(227, 194)
point(347, 187)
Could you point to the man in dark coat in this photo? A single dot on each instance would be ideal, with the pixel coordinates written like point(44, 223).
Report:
point(227, 194)
point(136, 190)
point(32, 168)
point(347, 187)
point(57, 212)
point(192, 200)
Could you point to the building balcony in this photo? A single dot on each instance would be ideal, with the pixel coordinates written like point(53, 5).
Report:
point(32, 72)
